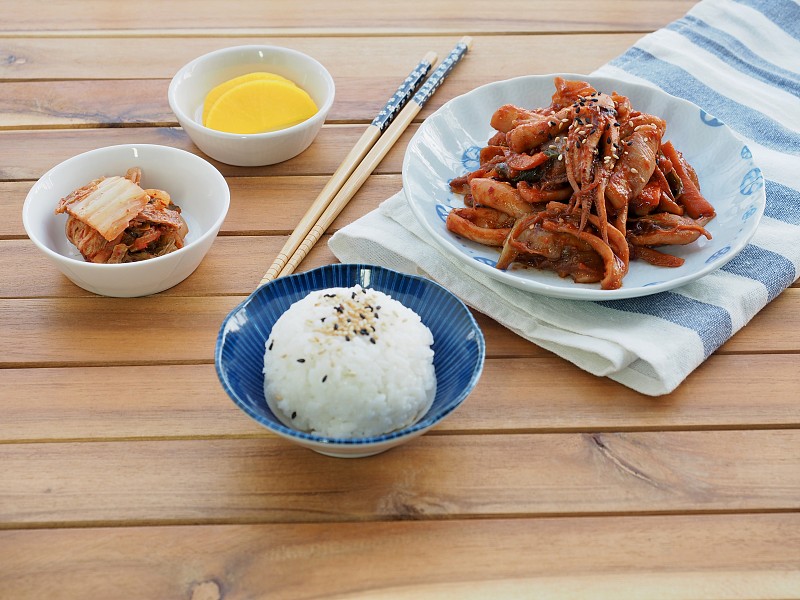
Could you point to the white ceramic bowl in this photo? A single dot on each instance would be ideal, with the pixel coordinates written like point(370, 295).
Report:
point(189, 87)
point(193, 184)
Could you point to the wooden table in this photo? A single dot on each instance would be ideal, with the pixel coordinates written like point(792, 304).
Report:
point(126, 472)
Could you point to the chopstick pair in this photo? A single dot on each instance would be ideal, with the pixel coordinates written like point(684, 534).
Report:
point(361, 161)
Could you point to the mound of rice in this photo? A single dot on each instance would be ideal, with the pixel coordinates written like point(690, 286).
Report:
point(349, 362)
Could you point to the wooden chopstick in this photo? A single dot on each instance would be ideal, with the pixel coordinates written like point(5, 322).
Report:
point(376, 155)
point(367, 140)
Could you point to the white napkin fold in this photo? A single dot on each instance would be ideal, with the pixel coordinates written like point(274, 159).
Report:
point(745, 75)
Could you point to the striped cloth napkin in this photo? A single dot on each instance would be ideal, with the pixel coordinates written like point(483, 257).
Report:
point(739, 60)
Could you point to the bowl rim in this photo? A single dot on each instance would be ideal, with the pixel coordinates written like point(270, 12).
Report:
point(184, 119)
point(427, 421)
point(210, 232)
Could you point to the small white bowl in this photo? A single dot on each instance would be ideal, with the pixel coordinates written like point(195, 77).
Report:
point(191, 84)
point(193, 184)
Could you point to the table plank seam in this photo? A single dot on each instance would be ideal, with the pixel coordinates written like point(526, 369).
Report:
point(499, 432)
point(416, 518)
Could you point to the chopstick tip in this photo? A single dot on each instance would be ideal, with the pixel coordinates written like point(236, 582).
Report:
point(466, 40)
point(431, 57)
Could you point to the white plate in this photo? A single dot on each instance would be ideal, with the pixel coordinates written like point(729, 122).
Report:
point(447, 143)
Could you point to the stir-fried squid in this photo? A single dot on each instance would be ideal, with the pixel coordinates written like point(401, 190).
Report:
point(114, 220)
point(581, 187)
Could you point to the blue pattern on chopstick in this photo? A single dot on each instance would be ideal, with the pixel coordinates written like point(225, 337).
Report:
point(403, 94)
point(435, 80)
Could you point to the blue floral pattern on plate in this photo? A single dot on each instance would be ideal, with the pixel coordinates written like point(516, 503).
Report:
point(470, 158)
point(718, 254)
point(751, 182)
point(710, 120)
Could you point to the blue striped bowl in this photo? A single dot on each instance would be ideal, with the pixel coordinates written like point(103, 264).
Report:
point(458, 348)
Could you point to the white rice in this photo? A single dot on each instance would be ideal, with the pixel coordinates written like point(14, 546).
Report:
point(349, 362)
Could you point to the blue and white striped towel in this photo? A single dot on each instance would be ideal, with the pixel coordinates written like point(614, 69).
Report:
point(738, 60)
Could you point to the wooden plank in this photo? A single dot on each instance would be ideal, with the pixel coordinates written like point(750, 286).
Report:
point(111, 330)
point(119, 402)
point(12, 197)
point(660, 558)
point(276, 204)
point(48, 104)
point(86, 331)
point(351, 16)
point(234, 265)
point(370, 66)
point(443, 476)
point(124, 82)
point(540, 393)
point(259, 205)
point(29, 154)
point(45, 332)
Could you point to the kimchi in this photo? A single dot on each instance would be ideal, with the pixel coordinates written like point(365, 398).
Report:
point(114, 220)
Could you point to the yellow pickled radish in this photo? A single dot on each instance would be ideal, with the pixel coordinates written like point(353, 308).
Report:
point(260, 106)
point(223, 87)
point(216, 92)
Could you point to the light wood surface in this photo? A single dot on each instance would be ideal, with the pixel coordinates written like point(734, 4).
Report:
point(362, 160)
point(126, 472)
point(361, 172)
